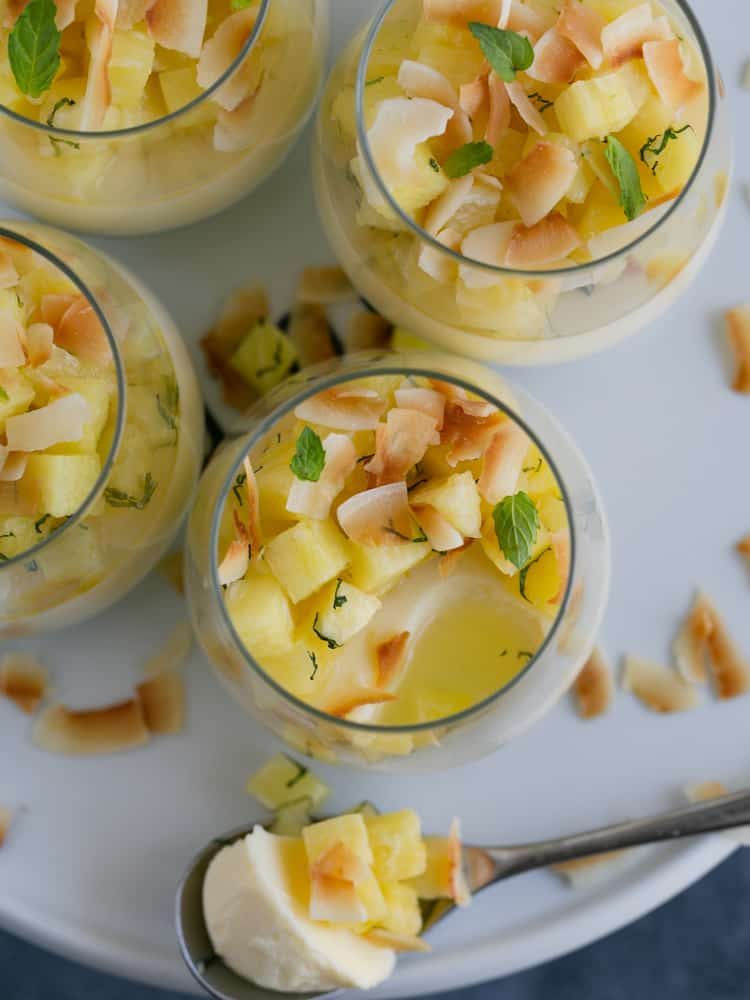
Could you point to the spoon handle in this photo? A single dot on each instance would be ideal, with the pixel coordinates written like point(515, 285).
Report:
point(704, 817)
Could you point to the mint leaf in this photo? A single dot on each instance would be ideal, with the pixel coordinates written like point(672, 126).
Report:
point(625, 171)
point(463, 160)
point(505, 51)
point(4, 397)
point(118, 498)
point(34, 48)
point(516, 526)
point(309, 458)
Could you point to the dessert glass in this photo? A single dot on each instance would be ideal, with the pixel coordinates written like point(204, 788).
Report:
point(512, 316)
point(171, 171)
point(150, 449)
point(432, 745)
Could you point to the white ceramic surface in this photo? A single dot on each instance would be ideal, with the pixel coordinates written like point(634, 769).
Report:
point(89, 869)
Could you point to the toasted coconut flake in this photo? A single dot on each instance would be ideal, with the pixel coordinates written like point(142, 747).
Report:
point(460, 892)
point(582, 25)
point(314, 499)
point(623, 39)
point(98, 95)
point(390, 656)
point(488, 245)
point(335, 900)
point(691, 643)
point(450, 560)
point(548, 242)
point(420, 80)
point(13, 467)
point(556, 58)
point(529, 20)
point(468, 435)
point(130, 12)
point(400, 443)
point(730, 670)
point(743, 547)
point(471, 96)
point(244, 308)
point(359, 699)
point(80, 332)
point(738, 334)
point(458, 131)
point(53, 307)
point(368, 330)
point(59, 422)
point(341, 863)
point(667, 72)
point(236, 561)
point(594, 687)
point(445, 206)
point(441, 534)
point(541, 179)
point(450, 390)
point(310, 332)
point(40, 340)
point(657, 687)
point(11, 343)
point(88, 732)
point(162, 700)
point(343, 409)
point(178, 24)
point(503, 462)
point(499, 116)
point(434, 262)
point(427, 401)
point(24, 681)
point(396, 942)
point(172, 569)
point(173, 654)
point(7, 816)
point(525, 107)
point(400, 125)
point(379, 516)
point(583, 871)
point(705, 791)
point(8, 273)
point(325, 286)
point(460, 12)
point(221, 51)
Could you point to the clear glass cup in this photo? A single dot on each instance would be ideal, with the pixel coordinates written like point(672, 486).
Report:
point(500, 314)
point(184, 166)
point(433, 745)
point(150, 450)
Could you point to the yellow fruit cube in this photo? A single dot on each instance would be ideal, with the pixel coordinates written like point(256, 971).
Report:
point(261, 615)
point(346, 611)
point(155, 413)
point(377, 569)
point(426, 181)
point(457, 499)
point(19, 534)
point(542, 580)
point(605, 104)
point(460, 65)
point(397, 845)
point(264, 357)
point(179, 87)
point(282, 780)
point(348, 829)
point(59, 484)
point(600, 211)
point(306, 557)
point(436, 881)
point(404, 914)
point(130, 65)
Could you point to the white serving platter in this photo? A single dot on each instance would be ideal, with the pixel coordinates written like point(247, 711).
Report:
point(90, 867)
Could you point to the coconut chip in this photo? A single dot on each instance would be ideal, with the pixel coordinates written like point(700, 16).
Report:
point(162, 701)
point(236, 559)
point(221, 51)
point(380, 516)
point(659, 688)
point(310, 332)
point(368, 330)
point(738, 334)
point(400, 443)
point(178, 24)
point(87, 732)
point(243, 310)
point(24, 681)
point(390, 656)
point(581, 872)
point(79, 331)
point(503, 462)
point(98, 95)
point(743, 547)
point(7, 815)
point(467, 434)
point(729, 669)
point(324, 286)
point(594, 687)
point(690, 647)
point(343, 409)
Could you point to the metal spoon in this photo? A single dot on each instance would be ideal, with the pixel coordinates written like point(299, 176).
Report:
point(484, 866)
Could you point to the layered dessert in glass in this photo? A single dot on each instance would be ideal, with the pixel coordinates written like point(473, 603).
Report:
point(388, 559)
point(143, 115)
point(523, 181)
point(101, 430)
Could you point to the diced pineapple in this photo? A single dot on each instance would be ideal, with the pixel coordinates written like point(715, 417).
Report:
point(377, 569)
point(264, 357)
point(397, 845)
point(155, 412)
point(457, 499)
point(426, 180)
point(97, 393)
point(378, 90)
point(291, 818)
point(539, 476)
point(274, 479)
point(261, 615)
point(404, 913)
point(346, 612)
point(601, 211)
point(306, 557)
point(542, 580)
point(605, 104)
point(460, 65)
point(19, 534)
point(282, 781)
point(76, 555)
point(436, 881)
point(552, 511)
point(130, 65)
point(674, 166)
point(59, 484)
point(491, 548)
point(179, 88)
point(347, 829)
point(16, 396)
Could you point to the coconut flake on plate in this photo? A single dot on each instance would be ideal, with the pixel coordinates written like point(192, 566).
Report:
point(583, 872)
point(162, 701)
point(24, 681)
point(400, 443)
point(314, 499)
point(594, 688)
point(7, 815)
point(690, 648)
point(738, 335)
point(729, 669)
point(658, 687)
point(178, 24)
point(705, 791)
point(88, 732)
point(743, 547)
point(310, 332)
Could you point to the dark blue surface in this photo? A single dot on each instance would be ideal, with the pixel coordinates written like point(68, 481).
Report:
point(694, 948)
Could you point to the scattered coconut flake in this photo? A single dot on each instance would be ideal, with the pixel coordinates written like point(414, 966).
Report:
point(382, 938)
point(178, 24)
point(467, 435)
point(594, 687)
point(427, 401)
point(657, 687)
point(162, 701)
point(172, 569)
point(173, 653)
point(343, 409)
point(87, 732)
point(582, 25)
point(705, 791)
point(325, 286)
point(540, 180)
point(556, 58)
point(743, 547)
point(582, 872)
point(310, 332)
point(503, 462)
point(418, 79)
point(314, 499)
point(690, 647)
point(59, 422)
point(400, 443)
point(666, 69)
point(359, 699)
point(390, 655)
point(368, 330)
point(738, 334)
point(729, 669)
point(7, 816)
point(98, 95)
point(24, 681)
point(379, 516)
point(221, 51)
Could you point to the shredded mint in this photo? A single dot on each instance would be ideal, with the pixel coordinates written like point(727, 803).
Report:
point(118, 498)
point(506, 51)
point(541, 102)
point(625, 172)
point(168, 403)
point(38, 525)
point(309, 457)
point(524, 573)
point(301, 772)
point(656, 144)
point(314, 661)
point(464, 159)
point(331, 643)
point(516, 526)
point(34, 48)
point(371, 83)
point(238, 484)
point(339, 600)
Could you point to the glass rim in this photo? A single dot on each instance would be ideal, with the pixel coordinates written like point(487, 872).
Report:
point(91, 136)
point(574, 269)
point(318, 383)
point(74, 519)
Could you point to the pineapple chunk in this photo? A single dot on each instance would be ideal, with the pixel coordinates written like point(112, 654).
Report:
point(375, 92)
point(97, 394)
point(426, 181)
point(457, 499)
point(59, 484)
point(19, 534)
point(76, 555)
point(282, 781)
point(542, 580)
point(264, 357)
point(377, 569)
point(437, 879)
point(179, 87)
point(592, 109)
point(155, 413)
point(601, 211)
point(306, 557)
point(347, 611)
point(552, 511)
point(460, 64)
point(19, 392)
point(348, 829)
point(261, 615)
point(404, 913)
point(130, 65)
point(291, 818)
point(397, 845)
point(676, 162)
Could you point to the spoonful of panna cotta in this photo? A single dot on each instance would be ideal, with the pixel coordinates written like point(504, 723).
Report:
point(307, 907)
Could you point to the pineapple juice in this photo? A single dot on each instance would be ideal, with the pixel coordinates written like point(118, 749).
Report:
point(175, 148)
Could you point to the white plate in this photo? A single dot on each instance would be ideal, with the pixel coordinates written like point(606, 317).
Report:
point(92, 863)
